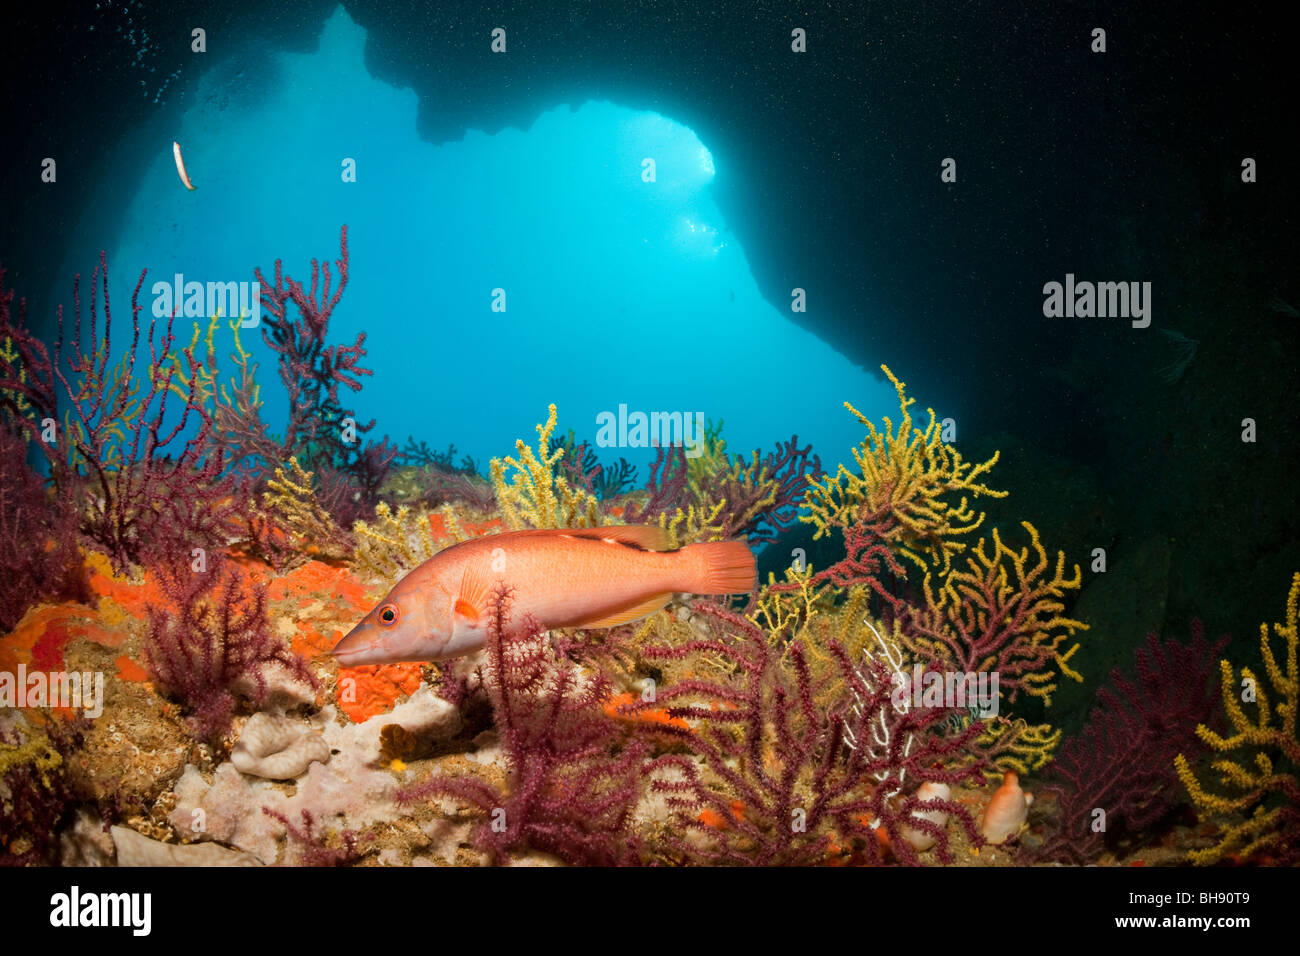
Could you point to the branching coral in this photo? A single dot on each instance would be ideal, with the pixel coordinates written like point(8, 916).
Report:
point(801, 611)
point(784, 610)
point(762, 494)
point(350, 490)
point(13, 402)
point(583, 469)
point(39, 557)
point(579, 464)
point(1118, 774)
point(1258, 770)
point(906, 480)
point(1002, 615)
point(235, 406)
point(869, 564)
point(26, 397)
point(465, 488)
point(36, 791)
point(140, 467)
point(614, 480)
point(420, 455)
point(310, 370)
point(214, 643)
point(396, 542)
point(574, 779)
point(310, 848)
point(665, 489)
point(770, 777)
point(712, 497)
point(709, 457)
point(756, 499)
point(536, 496)
point(289, 502)
point(695, 523)
point(1013, 744)
point(324, 435)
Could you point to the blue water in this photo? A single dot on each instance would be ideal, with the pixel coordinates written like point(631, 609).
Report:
point(617, 291)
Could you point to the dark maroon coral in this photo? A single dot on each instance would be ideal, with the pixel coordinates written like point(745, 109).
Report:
point(310, 370)
point(665, 490)
point(868, 563)
point(743, 488)
point(39, 558)
point(132, 442)
point(574, 778)
point(789, 468)
point(215, 644)
point(321, 431)
point(39, 800)
point(1122, 763)
point(314, 848)
point(783, 781)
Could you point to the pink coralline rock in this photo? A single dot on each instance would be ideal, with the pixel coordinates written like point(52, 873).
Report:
point(424, 715)
point(348, 792)
point(85, 843)
point(353, 790)
point(136, 849)
point(277, 747)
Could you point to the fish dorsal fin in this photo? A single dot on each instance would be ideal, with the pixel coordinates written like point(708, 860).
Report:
point(647, 537)
point(651, 604)
point(472, 598)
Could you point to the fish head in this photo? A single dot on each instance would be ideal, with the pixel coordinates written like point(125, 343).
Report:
point(404, 626)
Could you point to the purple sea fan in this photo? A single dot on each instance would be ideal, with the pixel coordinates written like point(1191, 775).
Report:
point(39, 558)
point(215, 643)
point(763, 494)
point(1122, 763)
point(39, 790)
point(665, 491)
point(575, 775)
point(324, 436)
point(442, 487)
point(785, 780)
point(132, 445)
point(313, 848)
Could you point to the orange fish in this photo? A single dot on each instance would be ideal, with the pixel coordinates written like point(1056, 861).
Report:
point(580, 577)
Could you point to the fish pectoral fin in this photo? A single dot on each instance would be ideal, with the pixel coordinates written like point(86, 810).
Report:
point(639, 610)
point(472, 598)
point(466, 612)
point(645, 536)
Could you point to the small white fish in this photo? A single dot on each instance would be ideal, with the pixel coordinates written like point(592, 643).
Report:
point(180, 166)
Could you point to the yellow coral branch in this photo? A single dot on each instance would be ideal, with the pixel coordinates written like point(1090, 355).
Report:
point(535, 496)
point(909, 476)
point(1255, 740)
point(396, 542)
point(985, 618)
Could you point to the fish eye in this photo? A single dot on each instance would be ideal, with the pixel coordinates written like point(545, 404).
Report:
point(388, 614)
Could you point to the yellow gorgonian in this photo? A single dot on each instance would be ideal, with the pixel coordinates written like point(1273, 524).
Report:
point(534, 496)
point(1257, 774)
point(905, 482)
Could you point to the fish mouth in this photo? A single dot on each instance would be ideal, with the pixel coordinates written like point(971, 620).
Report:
point(359, 648)
point(353, 650)
point(349, 658)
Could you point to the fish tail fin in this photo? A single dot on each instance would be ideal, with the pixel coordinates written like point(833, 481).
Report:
point(722, 567)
